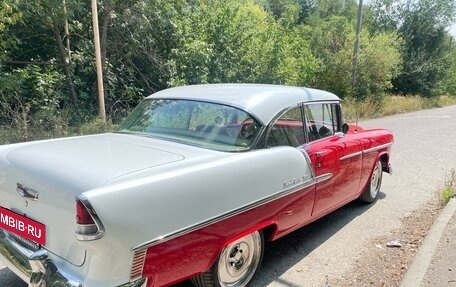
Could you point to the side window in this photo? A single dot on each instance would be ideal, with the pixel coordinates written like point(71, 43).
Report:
point(321, 120)
point(287, 130)
point(338, 118)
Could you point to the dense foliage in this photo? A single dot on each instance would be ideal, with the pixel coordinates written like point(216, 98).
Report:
point(426, 52)
point(47, 63)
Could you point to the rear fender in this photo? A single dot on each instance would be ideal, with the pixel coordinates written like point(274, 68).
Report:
point(258, 227)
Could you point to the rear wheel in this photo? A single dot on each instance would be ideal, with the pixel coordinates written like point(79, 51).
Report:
point(370, 194)
point(236, 264)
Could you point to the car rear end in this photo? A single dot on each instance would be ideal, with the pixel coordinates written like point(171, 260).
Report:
point(49, 231)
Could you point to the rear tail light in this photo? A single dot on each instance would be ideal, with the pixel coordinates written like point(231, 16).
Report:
point(88, 224)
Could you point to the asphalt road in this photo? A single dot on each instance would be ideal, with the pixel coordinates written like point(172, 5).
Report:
point(423, 155)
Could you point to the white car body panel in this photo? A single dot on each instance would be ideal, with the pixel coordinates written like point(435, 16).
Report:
point(111, 170)
point(176, 195)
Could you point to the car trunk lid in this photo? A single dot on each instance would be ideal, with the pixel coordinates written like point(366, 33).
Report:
point(55, 171)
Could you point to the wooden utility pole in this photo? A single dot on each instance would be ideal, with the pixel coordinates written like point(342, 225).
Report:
point(67, 32)
point(356, 49)
point(96, 40)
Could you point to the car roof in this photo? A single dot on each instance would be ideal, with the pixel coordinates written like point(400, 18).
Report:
point(260, 100)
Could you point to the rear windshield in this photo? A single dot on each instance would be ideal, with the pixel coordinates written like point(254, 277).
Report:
point(210, 125)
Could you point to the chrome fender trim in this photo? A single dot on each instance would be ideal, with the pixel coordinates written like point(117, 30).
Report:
point(373, 149)
point(299, 186)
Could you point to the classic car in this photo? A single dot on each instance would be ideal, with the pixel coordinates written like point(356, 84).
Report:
point(192, 184)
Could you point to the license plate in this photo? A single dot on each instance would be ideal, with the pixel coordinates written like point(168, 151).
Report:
point(22, 226)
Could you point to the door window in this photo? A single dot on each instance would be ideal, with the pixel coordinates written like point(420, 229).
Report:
point(287, 130)
point(321, 121)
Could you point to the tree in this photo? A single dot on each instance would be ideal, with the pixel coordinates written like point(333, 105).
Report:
point(9, 15)
point(378, 63)
point(422, 24)
point(237, 41)
point(450, 85)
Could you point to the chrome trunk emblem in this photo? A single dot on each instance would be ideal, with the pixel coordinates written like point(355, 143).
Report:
point(27, 192)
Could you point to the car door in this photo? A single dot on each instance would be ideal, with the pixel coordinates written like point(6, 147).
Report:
point(336, 157)
point(287, 130)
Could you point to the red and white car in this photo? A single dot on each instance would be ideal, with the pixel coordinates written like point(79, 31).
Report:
point(190, 186)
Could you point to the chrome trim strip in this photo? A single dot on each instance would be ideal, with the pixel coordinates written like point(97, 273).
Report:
point(222, 217)
point(351, 155)
point(323, 177)
point(27, 192)
point(372, 149)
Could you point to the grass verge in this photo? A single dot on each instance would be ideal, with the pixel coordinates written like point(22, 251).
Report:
point(448, 191)
point(391, 105)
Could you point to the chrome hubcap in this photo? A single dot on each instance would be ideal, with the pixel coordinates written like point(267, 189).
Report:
point(376, 180)
point(239, 261)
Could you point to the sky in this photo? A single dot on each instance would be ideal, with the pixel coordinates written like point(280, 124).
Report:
point(453, 30)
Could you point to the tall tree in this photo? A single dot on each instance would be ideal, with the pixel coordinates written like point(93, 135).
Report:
point(238, 41)
point(423, 25)
point(9, 15)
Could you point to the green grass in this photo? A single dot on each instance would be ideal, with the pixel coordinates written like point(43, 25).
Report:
point(448, 192)
point(391, 105)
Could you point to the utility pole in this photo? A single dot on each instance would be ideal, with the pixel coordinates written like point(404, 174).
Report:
point(67, 32)
point(356, 49)
point(96, 40)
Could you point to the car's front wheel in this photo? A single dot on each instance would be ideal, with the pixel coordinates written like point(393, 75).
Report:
point(236, 264)
point(370, 194)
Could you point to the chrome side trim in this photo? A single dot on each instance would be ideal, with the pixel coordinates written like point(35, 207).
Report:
point(283, 193)
point(99, 230)
point(351, 155)
point(323, 177)
point(372, 149)
point(27, 192)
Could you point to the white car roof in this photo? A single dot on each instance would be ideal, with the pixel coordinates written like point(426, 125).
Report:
point(260, 100)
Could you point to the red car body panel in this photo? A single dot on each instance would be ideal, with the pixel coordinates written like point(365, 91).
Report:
point(194, 253)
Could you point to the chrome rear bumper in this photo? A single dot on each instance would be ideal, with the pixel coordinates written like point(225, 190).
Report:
point(36, 268)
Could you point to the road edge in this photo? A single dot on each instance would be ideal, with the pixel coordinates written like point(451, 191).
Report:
point(417, 270)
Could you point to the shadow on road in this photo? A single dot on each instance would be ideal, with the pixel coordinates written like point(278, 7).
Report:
point(9, 279)
point(286, 252)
